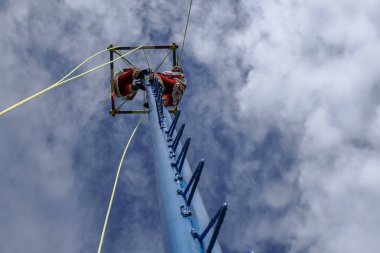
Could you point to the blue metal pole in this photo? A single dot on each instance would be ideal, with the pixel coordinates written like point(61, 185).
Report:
point(179, 221)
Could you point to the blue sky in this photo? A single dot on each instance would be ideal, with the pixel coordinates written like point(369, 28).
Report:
point(283, 103)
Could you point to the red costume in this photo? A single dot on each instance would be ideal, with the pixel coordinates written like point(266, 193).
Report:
point(174, 84)
point(122, 86)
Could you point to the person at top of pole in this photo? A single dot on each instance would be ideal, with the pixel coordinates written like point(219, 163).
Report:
point(127, 82)
point(174, 84)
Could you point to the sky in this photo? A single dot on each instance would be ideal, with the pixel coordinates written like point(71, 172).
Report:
point(283, 102)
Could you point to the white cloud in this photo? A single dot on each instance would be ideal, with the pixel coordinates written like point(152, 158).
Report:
point(283, 103)
point(314, 80)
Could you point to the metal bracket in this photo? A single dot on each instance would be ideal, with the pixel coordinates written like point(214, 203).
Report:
point(194, 233)
point(218, 219)
point(185, 211)
point(178, 137)
point(182, 155)
point(173, 125)
point(178, 177)
point(193, 182)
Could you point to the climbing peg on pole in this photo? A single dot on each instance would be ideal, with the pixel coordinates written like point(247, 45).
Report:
point(196, 176)
point(174, 123)
point(218, 218)
point(200, 166)
point(178, 137)
point(222, 213)
point(182, 155)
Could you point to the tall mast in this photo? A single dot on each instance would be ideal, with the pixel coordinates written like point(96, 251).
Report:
point(186, 225)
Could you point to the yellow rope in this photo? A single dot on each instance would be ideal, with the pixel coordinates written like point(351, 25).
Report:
point(114, 187)
point(62, 81)
point(184, 35)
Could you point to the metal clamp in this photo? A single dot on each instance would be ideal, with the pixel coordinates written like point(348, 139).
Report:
point(185, 211)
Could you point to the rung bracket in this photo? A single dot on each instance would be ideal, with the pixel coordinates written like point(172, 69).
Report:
point(182, 156)
point(174, 124)
point(178, 137)
point(218, 219)
point(193, 183)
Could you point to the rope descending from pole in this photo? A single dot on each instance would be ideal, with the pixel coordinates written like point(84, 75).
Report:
point(64, 80)
point(184, 35)
point(115, 185)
